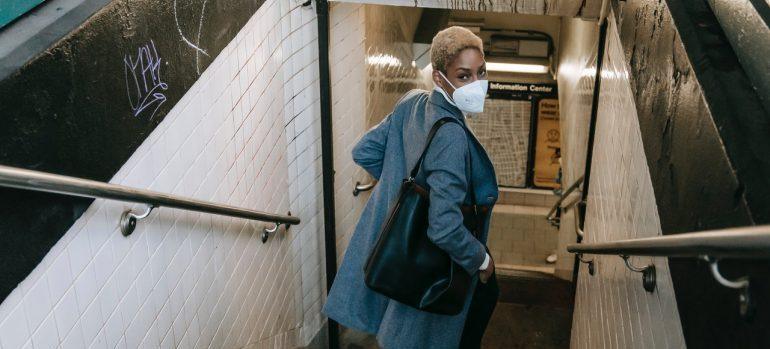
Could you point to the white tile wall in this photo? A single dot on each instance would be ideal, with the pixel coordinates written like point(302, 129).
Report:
point(348, 77)
point(360, 98)
point(577, 55)
point(575, 78)
point(247, 133)
point(612, 310)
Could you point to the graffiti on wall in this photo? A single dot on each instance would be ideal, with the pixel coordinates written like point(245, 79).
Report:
point(195, 46)
point(143, 81)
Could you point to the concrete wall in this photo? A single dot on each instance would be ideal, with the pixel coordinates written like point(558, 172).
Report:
point(570, 8)
point(704, 131)
point(245, 134)
point(612, 310)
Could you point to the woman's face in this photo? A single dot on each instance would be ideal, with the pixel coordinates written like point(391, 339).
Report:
point(466, 68)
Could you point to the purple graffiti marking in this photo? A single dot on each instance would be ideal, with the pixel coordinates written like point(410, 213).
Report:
point(143, 80)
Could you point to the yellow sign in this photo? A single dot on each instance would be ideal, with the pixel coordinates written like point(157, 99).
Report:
point(547, 144)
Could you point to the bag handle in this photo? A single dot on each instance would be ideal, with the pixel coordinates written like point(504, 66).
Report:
point(433, 130)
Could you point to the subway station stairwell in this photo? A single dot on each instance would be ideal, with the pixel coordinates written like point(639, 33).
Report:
point(178, 173)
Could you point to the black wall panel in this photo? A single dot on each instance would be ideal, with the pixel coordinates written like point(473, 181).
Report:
point(83, 106)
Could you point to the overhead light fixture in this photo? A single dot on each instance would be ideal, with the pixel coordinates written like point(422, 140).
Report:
point(517, 68)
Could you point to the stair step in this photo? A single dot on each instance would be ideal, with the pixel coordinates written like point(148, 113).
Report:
point(520, 210)
point(535, 289)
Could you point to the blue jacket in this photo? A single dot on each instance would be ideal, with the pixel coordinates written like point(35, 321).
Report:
point(387, 151)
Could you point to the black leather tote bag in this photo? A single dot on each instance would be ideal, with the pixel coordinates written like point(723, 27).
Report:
point(405, 265)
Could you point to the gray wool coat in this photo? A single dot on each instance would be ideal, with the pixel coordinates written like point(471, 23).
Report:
point(387, 151)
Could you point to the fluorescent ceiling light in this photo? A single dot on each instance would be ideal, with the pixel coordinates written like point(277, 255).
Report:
point(517, 68)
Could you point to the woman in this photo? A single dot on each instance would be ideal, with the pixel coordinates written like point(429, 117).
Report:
point(454, 159)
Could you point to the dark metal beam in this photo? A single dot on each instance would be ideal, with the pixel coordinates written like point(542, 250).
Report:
point(327, 159)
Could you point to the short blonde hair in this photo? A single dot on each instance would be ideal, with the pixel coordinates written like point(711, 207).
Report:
point(448, 43)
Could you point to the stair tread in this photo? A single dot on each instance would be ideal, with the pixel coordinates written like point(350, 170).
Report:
point(521, 210)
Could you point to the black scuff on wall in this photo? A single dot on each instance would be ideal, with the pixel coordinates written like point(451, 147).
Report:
point(82, 107)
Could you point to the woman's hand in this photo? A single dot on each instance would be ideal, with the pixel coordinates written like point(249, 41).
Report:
point(485, 274)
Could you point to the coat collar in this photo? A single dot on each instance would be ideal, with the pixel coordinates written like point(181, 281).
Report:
point(438, 100)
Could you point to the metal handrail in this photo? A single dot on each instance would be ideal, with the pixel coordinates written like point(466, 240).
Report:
point(746, 242)
point(363, 187)
point(742, 243)
point(18, 178)
point(563, 196)
point(578, 219)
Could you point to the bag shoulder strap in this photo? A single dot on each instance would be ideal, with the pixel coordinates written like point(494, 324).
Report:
point(431, 133)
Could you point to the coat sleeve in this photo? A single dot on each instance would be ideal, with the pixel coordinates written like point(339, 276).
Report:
point(370, 149)
point(444, 167)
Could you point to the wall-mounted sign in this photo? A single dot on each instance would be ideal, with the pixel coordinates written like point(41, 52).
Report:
point(547, 144)
point(523, 89)
point(515, 115)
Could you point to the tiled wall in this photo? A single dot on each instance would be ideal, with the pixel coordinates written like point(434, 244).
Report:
point(371, 45)
point(575, 77)
point(612, 310)
point(348, 78)
point(519, 235)
point(389, 55)
point(246, 134)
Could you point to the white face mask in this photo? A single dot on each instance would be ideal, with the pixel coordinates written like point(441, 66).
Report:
point(469, 98)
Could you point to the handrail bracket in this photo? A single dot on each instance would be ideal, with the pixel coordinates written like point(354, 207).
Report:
point(590, 262)
point(276, 225)
point(742, 284)
point(649, 275)
point(128, 219)
point(362, 187)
